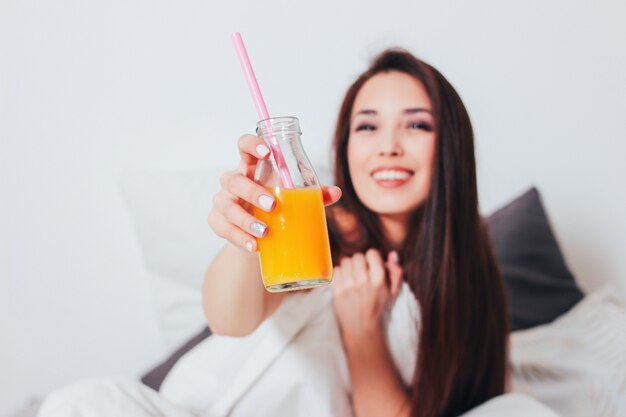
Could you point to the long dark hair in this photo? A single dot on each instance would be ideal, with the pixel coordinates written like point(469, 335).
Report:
point(446, 256)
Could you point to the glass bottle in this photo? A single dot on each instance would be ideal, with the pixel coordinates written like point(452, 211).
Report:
point(295, 253)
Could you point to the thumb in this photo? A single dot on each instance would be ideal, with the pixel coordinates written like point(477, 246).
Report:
point(331, 194)
point(395, 273)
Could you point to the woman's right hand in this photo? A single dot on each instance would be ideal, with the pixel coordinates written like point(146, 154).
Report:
point(230, 217)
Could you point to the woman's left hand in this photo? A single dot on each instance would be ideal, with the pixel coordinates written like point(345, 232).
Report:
point(362, 288)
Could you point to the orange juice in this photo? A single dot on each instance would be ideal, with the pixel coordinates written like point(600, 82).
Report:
point(295, 253)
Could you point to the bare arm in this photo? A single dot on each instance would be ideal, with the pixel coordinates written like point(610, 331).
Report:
point(234, 299)
point(376, 386)
point(360, 294)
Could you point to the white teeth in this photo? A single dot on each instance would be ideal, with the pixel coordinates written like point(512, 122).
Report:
point(389, 174)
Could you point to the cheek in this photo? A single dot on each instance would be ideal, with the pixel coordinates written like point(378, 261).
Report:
point(357, 155)
point(428, 153)
point(428, 161)
point(424, 152)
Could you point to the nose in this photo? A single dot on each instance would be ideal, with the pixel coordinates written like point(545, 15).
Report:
point(390, 144)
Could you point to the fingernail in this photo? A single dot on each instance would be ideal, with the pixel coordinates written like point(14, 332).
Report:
point(262, 150)
point(394, 257)
point(249, 246)
point(258, 229)
point(266, 202)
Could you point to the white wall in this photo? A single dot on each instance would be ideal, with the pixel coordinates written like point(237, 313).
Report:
point(91, 89)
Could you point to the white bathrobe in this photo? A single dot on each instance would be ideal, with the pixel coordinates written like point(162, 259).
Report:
point(292, 365)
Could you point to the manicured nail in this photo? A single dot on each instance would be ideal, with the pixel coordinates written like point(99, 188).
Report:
point(258, 229)
point(266, 202)
point(250, 246)
point(262, 150)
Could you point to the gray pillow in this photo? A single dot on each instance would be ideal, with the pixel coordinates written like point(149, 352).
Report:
point(539, 285)
point(155, 377)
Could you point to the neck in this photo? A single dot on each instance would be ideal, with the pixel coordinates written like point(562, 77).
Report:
point(394, 228)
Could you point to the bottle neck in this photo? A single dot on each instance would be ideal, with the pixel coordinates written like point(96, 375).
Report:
point(280, 128)
point(290, 166)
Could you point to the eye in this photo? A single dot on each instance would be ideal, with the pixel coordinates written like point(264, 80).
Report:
point(421, 126)
point(365, 126)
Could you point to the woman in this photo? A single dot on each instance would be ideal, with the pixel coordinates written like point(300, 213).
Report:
point(404, 159)
point(422, 334)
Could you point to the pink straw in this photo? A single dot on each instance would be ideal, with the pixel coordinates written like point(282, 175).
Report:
point(261, 109)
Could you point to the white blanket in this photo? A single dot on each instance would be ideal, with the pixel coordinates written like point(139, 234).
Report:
point(577, 364)
point(292, 365)
point(293, 361)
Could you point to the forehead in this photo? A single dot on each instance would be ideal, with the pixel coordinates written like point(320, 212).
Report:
point(391, 90)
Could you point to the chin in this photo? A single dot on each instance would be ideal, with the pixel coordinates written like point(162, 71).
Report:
point(393, 208)
point(392, 202)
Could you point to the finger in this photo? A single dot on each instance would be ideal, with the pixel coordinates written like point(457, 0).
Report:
point(395, 273)
point(223, 196)
point(237, 216)
point(337, 281)
point(346, 269)
point(359, 268)
point(230, 232)
point(331, 194)
point(249, 191)
point(251, 149)
point(376, 267)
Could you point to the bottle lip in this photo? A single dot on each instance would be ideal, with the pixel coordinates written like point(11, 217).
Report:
point(277, 125)
point(294, 118)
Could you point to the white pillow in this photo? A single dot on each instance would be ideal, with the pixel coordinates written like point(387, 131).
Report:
point(170, 210)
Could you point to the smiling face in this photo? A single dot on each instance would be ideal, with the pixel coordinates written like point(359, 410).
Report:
point(392, 144)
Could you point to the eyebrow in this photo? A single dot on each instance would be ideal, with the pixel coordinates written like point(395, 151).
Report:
point(406, 111)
